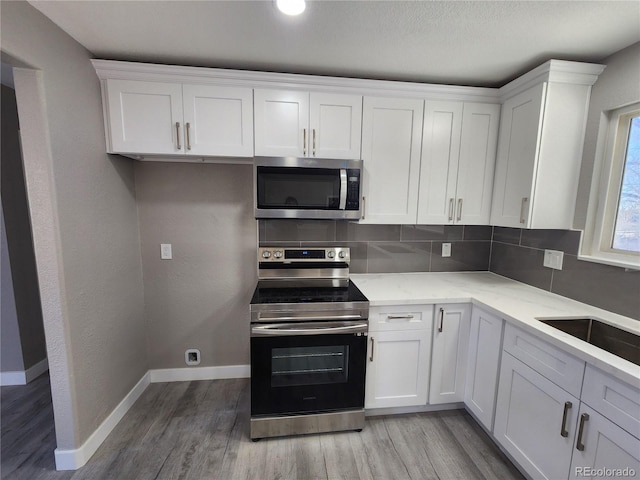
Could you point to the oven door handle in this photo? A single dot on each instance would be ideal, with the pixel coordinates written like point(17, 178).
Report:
point(321, 328)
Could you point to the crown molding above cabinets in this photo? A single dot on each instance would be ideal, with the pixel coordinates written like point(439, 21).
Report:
point(428, 151)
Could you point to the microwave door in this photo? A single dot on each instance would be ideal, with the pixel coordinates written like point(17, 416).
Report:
point(343, 189)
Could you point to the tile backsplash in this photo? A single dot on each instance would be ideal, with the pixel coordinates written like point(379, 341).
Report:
point(518, 254)
point(511, 252)
point(388, 248)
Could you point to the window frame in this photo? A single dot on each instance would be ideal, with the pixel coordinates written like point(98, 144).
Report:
point(606, 186)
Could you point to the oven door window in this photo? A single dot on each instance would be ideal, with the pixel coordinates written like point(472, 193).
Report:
point(298, 188)
point(315, 365)
point(307, 373)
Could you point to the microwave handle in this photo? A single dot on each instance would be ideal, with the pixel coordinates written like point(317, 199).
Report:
point(343, 189)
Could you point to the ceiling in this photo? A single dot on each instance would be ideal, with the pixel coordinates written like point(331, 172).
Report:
point(478, 43)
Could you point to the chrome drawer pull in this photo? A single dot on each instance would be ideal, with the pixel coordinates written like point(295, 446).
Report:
point(563, 428)
point(583, 418)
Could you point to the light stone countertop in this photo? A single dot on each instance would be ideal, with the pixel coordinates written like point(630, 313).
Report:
point(517, 303)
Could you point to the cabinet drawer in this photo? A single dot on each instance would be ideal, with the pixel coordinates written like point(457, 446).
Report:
point(616, 400)
point(558, 366)
point(394, 318)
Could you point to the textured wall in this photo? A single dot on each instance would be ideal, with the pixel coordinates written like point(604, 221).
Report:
point(19, 238)
point(200, 298)
point(617, 86)
point(85, 228)
point(10, 348)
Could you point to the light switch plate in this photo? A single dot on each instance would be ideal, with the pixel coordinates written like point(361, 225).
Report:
point(553, 259)
point(446, 249)
point(165, 251)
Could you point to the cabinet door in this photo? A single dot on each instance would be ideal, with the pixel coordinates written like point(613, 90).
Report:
point(478, 145)
point(391, 132)
point(281, 123)
point(530, 420)
point(335, 124)
point(439, 164)
point(485, 340)
point(142, 117)
point(397, 369)
point(218, 120)
point(607, 447)
point(449, 358)
point(518, 144)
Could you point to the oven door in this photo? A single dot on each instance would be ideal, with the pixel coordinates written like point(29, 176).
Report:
point(309, 367)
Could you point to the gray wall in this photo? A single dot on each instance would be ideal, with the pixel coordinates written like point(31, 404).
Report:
point(86, 236)
point(617, 86)
point(200, 298)
point(10, 348)
point(19, 239)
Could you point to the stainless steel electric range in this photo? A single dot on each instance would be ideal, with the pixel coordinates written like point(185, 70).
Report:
point(309, 328)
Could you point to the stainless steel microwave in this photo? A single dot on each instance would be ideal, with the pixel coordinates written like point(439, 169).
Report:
point(316, 188)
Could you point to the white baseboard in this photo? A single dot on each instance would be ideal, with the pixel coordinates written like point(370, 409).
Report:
point(199, 373)
point(13, 378)
point(36, 370)
point(74, 459)
point(20, 377)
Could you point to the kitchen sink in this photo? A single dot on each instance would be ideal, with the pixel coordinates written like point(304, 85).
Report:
point(602, 335)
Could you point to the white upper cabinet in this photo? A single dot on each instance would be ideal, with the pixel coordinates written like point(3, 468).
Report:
point(303, 124)
point(218, 120)
point(391, 138)
point(144, 117)
point(458, 157)
point(154, 118)
point(540, 146)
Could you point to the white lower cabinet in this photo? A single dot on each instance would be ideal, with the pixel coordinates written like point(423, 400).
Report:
point(602, 449)
point(398, 356)
point(535, 420)
point(449, 357)
point(485, 342)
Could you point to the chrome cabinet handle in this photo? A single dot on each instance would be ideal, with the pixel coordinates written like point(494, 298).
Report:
point(178, 146)
point(187, 135)
point(522, 204)
point(563, 428)
point(450, 209)
point(583, 418)
point(304, 142)
point(372, 344)
point(314, 142)
point(441, 320)
point(397, 317)
point(459, 217)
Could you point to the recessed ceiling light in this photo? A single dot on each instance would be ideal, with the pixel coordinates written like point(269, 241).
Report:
point(291, 7)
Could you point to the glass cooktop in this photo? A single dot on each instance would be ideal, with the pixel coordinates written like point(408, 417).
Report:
point(267, 295)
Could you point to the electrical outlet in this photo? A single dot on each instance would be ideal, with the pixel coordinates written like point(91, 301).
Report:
point(192, 356)
point(446, 249)
point(553, 259)
point(165, 251)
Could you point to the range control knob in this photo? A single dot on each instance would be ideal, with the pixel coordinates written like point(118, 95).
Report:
point(277, 254)
point(342, 254)
point(331, 254)
point(266, 254)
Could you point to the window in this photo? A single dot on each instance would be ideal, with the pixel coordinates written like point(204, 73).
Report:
point(626, 231)
point(612, 235)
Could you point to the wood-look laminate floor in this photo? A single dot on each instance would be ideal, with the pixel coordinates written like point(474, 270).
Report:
point(199, 431)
